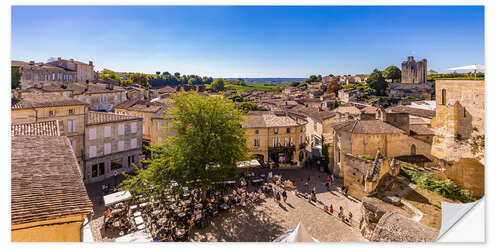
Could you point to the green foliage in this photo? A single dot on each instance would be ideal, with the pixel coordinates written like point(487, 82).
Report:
point(456, 76)
point(324, 152)
point(445, 187)
point(368, 157)
point(218, 84)
point(314, 78)
point(237, 98)
point(15, 77)
point(393, 73)
point(377, 82)
point(208, 144)
point(302, 84)
point(247, 106)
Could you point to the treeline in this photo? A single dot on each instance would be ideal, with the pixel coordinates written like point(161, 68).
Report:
point(433, 75)
point(155, 80)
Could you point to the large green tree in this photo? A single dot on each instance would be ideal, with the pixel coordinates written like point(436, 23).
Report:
point(393, 73)
point(218, 84)
point(15, 77)
point(377, 82)
point(208, 144)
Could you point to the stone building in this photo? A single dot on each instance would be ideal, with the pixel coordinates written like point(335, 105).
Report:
point(112, 143)
point(413, 71)
point(39, 74)
point(348, 95)
point(48, 199)
point(364, 177)
point(83, 71)
point(40, 107)
point(99, 96)
point(278, 137)
point(388, 133)
point(154, 121)
point(459, 132)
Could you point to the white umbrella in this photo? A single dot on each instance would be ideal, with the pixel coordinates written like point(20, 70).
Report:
point(297, 234)
point(474, 67)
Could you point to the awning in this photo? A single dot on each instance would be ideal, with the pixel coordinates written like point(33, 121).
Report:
point(117, 197)
point(248, 164)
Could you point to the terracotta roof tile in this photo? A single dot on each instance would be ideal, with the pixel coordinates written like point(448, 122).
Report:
point(38, 100)
point(45, 180)
point(412, 111)
point(347, 109)
point(46, 128)
point(95, 118)
point(268, 119)
point(366, 127)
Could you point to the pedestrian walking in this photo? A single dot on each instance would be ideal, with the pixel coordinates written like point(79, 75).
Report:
point(331, 209)
point(284, 195)
point(278, 197)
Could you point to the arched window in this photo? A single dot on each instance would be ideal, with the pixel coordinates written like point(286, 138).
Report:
point(443, 96)
point(413, 149)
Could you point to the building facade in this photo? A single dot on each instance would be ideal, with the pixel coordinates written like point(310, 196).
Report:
point(113, 143)
point(276, 137)
point(40, 107)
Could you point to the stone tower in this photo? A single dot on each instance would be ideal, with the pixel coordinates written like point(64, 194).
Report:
point(413, 71)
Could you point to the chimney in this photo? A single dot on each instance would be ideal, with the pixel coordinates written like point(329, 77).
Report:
point(71, 60)
point(91, 63)
point(32, 62)
point(59, 59)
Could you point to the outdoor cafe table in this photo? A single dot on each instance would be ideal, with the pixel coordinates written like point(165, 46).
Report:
point(181, 215)
point(179, 232)
point(198, 206)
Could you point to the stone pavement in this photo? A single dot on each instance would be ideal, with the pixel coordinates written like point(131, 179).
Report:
point(265, 221)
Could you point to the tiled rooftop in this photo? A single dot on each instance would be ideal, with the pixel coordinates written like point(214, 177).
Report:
point(45, 180)
point(46, 128)
point(367, 127)
point(95, 118)
point(412, 111)
point(38, 100)
point(269, 119)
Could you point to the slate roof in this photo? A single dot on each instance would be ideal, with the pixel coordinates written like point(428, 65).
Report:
point(45, 180)
point(46, 128)
point(38, 100)
point(95, 118)
point(412, 111)
point(366, 127)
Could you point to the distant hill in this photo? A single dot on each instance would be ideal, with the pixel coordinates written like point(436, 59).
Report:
point(270, 80)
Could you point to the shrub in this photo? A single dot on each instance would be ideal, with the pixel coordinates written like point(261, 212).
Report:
point(444, 187)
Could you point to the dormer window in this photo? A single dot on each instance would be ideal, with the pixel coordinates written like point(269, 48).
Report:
point(52, 113)
point(275, 130)
point(288, 130)
point(256, 131)
point(70, 111)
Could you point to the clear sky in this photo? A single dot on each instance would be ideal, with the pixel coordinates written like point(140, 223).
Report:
point(250, 41)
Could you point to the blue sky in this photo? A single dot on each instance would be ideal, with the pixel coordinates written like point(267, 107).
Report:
point(228, 41)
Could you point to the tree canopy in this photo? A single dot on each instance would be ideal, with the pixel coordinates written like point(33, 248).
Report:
point(333, 87)
point(393, 73)
point(208, 144)
point(15, 77)
point(314, 78)
point(377, 82)
point(218, 84)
